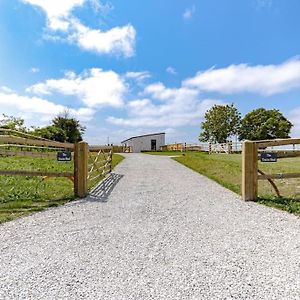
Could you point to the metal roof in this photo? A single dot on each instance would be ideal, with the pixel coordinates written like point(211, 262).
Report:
point(138, 136)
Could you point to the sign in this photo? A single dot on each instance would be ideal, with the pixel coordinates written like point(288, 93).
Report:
point(268, 157)
point(64, 156)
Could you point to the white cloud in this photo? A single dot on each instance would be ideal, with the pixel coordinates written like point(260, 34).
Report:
point(6, 89)
point(56, 8)
point(171, 71)
point(64, 26)
point(104, 8)
point(94, 87)
point(34, 70)
point(138, 76)
point(38, 111)
point(177, 107)
point(152, 116)
point(57, 11)
point(112, 41)
point(189, 13)
point(161, 92)
point(261, 79)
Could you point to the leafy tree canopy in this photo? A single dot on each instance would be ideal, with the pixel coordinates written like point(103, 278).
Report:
point(64, 128)
point(70, 126)
point(221, 122)
point(10, 122)
point(263, 124)
point(51, 133)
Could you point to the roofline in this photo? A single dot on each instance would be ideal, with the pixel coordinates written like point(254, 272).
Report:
point(138, 136)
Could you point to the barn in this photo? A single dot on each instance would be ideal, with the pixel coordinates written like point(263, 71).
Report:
point(147, 142)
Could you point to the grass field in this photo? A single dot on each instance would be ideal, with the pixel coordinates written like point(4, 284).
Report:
point(21, 196)
point(227, 169)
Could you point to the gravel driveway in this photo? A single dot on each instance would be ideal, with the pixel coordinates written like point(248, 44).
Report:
point(164, 232)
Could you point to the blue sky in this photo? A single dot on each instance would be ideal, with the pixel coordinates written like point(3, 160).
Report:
point(133, 67)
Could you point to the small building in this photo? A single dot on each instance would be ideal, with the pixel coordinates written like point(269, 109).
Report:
point(147, 142)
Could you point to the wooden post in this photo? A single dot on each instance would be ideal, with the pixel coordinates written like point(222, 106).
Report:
point(81, 169)
point(229, 147)
point(250, 169)
point(111, 158)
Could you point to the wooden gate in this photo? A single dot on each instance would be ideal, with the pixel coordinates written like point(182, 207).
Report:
point(100, 162)
point(251, 174)
point(14, 143)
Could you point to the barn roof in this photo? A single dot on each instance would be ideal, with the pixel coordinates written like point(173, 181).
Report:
point(138, 136)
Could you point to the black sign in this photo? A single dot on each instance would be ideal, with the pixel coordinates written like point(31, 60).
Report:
point(64, 156)
point(268, 157)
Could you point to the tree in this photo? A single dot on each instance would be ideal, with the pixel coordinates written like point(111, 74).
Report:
point(51, 133)
point(263, 124)
point(10, 122)
point(70, 126)
point(221, 122)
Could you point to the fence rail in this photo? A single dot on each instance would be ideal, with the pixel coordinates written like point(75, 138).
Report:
point(27, 141)
point(35, 173)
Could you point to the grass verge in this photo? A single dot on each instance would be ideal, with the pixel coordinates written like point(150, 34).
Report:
point(21, 196)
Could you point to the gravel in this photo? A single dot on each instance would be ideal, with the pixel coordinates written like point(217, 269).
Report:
point(164, 232)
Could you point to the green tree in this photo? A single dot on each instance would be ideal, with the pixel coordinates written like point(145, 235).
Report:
point(70, 126)
point(263, 124)
point(221, 122)
point(51, 133)
point(10, 122)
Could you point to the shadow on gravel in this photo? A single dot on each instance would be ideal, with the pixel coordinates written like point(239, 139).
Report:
point(102, 191)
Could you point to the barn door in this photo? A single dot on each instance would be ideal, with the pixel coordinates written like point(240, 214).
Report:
point(153, 145)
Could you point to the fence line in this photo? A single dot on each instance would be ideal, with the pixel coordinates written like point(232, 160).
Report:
point(26, 141)
point(229, 147)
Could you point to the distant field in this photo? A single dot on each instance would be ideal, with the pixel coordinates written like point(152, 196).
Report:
point(21, 196)
point(227, 169)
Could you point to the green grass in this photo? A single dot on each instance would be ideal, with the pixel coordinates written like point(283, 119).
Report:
point(20, 196)
point(227, 169)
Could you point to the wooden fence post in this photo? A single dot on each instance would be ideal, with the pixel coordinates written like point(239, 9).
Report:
point(111, 158)
point(229, 147)
point(249, 173)
point(81, 169)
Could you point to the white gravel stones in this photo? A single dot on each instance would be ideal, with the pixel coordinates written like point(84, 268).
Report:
point(164, 233)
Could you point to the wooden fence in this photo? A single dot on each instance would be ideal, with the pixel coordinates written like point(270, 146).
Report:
point(252, 151)
point(122, 149)
point(31, 146)
point(183, 147)
point(172, 147)
point(228, 148)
